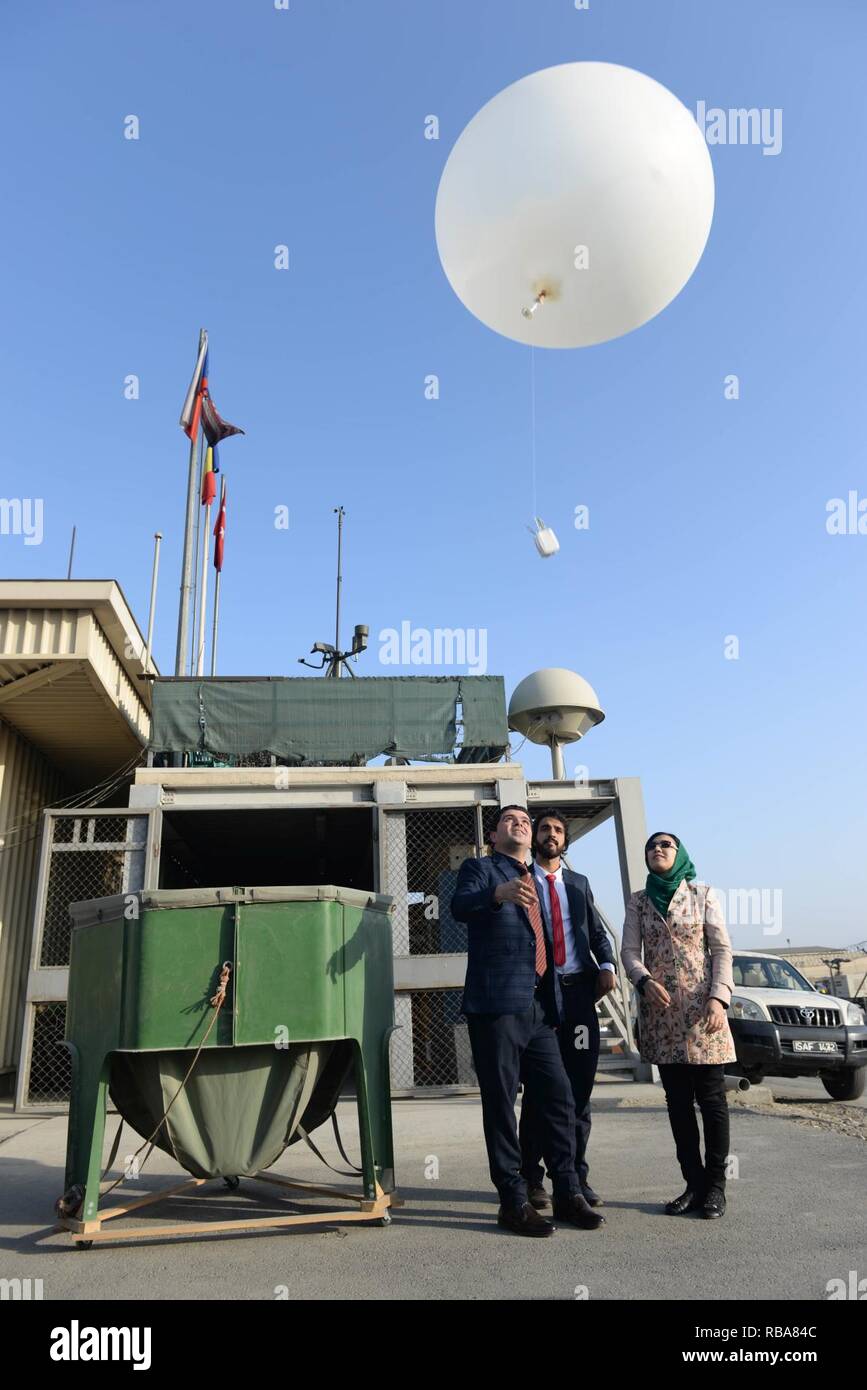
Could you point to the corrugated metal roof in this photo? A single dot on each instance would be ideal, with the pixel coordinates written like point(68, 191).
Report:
point(68, 679)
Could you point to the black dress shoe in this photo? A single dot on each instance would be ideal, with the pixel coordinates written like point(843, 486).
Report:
point(538, 1198)
point(525, 1220)
point(590, 1197)
point(575, 1211)
point(687, 1201)
point(714, 1203)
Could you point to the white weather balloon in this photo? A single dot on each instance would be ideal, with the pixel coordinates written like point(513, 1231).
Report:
point(575, 205)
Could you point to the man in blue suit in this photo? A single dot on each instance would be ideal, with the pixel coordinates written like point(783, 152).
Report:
point(576, 933)
point(513, 1003)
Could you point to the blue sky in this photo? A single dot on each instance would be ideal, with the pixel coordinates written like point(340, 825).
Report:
point(306, 127)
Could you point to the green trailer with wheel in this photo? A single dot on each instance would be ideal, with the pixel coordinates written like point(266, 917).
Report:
point(224, 1024)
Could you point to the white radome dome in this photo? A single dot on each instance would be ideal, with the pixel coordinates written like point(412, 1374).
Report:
point(554, 705)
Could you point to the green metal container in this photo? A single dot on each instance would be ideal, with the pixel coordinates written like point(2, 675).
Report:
point(310, 1001)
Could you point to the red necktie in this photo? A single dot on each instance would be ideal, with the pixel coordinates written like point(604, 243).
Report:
point(535, 915)
point(556, 922)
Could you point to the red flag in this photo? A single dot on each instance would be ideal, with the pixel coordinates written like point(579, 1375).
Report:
point(220, 532)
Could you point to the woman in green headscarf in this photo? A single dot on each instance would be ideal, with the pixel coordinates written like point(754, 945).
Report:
point(676, 952)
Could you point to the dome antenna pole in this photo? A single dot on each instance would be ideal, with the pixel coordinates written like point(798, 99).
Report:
point(558, 767)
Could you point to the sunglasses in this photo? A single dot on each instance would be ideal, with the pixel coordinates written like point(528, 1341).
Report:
point(662, 844)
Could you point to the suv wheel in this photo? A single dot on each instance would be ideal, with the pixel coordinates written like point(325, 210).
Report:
point(848, 1086)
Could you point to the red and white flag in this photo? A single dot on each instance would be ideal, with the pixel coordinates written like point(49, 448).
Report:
point(220, 531)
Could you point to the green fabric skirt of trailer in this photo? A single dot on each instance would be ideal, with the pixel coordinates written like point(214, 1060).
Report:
point(238, 1111)
point(305, 719)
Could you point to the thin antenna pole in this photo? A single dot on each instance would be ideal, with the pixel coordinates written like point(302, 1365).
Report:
point(71, 553)
point(340, 515)
point(158, 535)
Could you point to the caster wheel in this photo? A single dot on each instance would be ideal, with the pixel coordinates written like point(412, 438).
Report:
point(84, 1245)
point(232, 1183)
point(384, 1220)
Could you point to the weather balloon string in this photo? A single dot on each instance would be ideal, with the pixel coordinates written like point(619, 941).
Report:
point(533, 423)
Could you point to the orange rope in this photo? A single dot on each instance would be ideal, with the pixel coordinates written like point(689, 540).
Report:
point(217, 1001)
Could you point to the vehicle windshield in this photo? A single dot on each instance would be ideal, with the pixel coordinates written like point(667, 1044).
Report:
point(754, 973)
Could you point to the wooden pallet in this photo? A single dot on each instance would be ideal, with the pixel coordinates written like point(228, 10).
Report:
point(85, 1233)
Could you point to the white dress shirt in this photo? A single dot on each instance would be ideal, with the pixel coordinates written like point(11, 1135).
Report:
point(572, 963)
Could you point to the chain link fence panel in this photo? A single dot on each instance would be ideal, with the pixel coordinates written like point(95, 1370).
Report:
point(50, 1065)
point(423, 851)
point(90, 857)
point(439, 1054)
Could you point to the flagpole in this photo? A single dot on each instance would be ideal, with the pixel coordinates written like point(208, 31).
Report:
point(187, 566)
point(195, 596)
point(203, 596)
point(217, 597)
point(158, 535)
point(216, 617)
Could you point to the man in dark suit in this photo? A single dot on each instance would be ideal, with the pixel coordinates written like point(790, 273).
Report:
point(512, 1003)
point(576, 934)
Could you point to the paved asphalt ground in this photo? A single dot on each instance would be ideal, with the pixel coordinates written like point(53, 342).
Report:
point(796, 1216)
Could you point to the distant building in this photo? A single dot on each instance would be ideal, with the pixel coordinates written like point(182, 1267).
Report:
point(848, 980)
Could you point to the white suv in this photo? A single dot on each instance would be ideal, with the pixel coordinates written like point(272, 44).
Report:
point(782, 1026)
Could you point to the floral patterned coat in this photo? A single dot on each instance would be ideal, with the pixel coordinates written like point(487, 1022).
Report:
point(690, 954)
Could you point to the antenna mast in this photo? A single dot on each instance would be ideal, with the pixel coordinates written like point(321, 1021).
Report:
point(340, 515)
point(333, 659)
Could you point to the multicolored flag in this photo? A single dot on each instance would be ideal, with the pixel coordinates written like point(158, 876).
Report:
point(215, 428)
point(220, 532)
point(209, 480)
point(192, 410)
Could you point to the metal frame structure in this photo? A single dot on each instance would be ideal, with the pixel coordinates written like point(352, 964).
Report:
point(387, 791)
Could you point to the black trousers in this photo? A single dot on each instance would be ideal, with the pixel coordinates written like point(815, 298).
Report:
point(580, 1053)
point(685, 1085)
point(513, 1048)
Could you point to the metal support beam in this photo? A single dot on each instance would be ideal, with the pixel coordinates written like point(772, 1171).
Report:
point(631, 835)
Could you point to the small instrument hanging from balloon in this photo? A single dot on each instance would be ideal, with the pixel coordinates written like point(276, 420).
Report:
point(547, 543)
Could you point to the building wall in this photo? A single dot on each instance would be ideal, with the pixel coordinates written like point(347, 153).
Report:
point(27, 783)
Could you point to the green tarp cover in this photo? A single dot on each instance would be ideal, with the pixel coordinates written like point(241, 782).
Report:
point(316, 719)
point(239, 1109)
